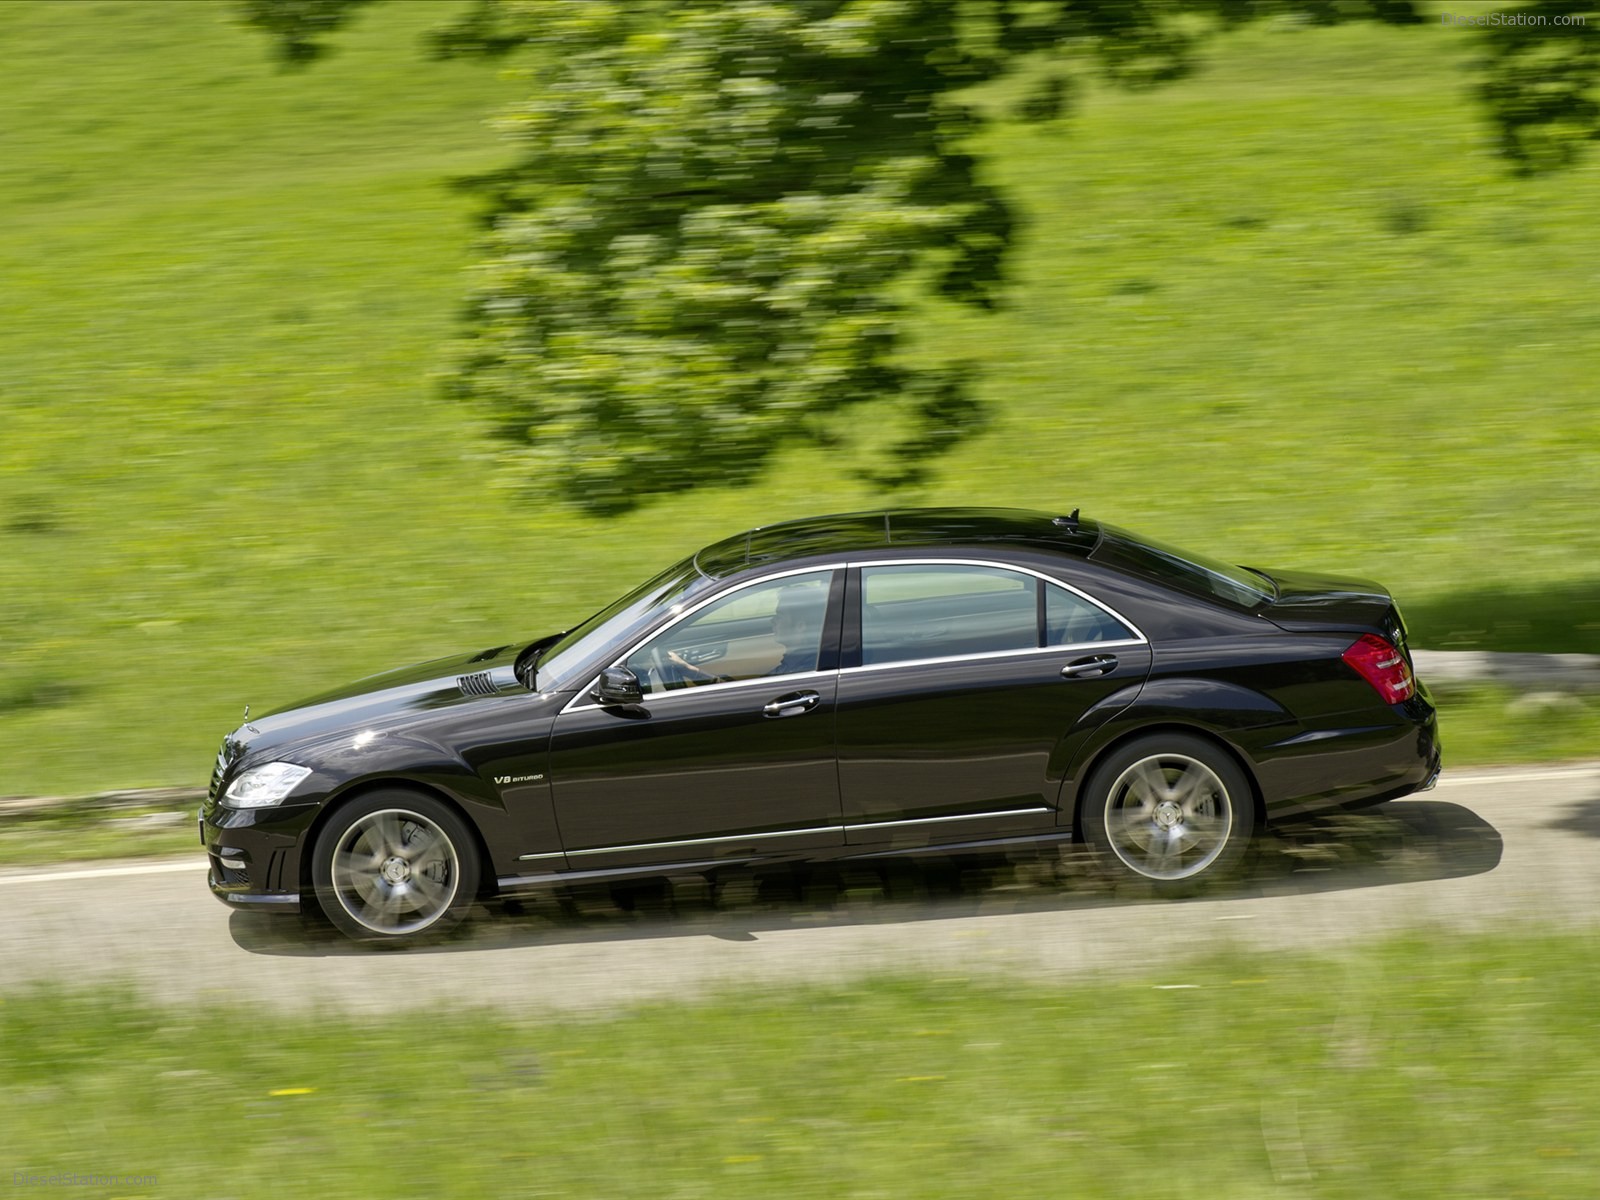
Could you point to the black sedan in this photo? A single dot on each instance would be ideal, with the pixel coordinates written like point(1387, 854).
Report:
point(863, 686)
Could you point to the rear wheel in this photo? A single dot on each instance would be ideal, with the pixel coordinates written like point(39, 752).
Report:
point(1173, 810)
point(395, 866)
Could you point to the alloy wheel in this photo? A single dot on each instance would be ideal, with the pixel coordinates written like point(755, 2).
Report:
point(395, 872)
point(1168, 816)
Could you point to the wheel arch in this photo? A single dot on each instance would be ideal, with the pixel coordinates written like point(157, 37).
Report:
point(1091, 764)
point(487, 883)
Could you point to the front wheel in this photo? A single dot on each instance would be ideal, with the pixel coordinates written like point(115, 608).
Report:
point(1170, 809)
point(394, 866)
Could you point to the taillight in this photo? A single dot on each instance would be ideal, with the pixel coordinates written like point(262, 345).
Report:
point(1384, 667)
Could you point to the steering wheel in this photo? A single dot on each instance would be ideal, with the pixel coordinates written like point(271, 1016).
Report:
point(664, 669)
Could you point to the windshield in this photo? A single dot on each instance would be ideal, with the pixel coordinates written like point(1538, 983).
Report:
point(613, 625)
point(1184, 569)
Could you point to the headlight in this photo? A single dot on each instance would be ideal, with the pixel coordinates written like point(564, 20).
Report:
point(264, 786)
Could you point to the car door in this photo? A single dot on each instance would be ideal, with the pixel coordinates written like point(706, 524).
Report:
point(958, 681)
point(731, 752)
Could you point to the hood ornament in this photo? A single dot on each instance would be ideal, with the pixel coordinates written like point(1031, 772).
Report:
point(246, 712)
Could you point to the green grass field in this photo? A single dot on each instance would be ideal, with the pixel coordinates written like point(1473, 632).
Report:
point(1291, 311)
point(1427, 1067)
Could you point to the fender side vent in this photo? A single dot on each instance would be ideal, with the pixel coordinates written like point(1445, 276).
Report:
point(480, 683)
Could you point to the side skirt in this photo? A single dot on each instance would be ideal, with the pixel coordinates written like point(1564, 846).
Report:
point(515, 884)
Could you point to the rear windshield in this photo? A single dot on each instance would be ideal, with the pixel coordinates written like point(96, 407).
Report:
point(1197, 574)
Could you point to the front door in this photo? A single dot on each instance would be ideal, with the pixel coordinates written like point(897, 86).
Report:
point(731, 753)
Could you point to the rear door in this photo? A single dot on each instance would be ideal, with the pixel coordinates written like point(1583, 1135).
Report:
point(959, 678)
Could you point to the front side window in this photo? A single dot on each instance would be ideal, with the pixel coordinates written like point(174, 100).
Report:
point(768, 629)
point(924, 611)
point(612, 626)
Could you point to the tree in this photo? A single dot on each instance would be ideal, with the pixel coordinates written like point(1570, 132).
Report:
point(297, 27)
point(719, 212)
point(699, 253)
point(1539, 72)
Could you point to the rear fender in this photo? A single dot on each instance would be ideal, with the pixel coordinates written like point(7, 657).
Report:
point(1228, 713)
point(1069, 746)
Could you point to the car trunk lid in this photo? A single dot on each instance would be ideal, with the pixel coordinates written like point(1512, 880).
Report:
point(1308, 602)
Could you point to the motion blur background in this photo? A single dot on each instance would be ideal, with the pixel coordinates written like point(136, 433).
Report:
point(286, 398)
point(1294, 306)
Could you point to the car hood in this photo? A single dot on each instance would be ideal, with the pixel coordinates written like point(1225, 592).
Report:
point(1309, 600)
point(384, 700)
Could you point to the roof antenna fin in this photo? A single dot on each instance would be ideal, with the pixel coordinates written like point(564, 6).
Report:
point(1068, 522)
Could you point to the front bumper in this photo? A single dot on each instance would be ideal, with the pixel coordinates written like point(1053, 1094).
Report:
point(255, 854)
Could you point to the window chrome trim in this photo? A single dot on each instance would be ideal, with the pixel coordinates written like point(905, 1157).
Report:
point(1010, 812)
point(1070, 647)
point(707, 841)
point(581, 701)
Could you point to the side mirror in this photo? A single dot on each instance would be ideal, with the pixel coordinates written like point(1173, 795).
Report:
point(617, 686)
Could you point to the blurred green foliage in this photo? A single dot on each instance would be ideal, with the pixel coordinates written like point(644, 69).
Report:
point(696, 256)
point(704, 247)
point(1539, 72)
point(297, 27)
point(1427, 1067)
point(1293, 311)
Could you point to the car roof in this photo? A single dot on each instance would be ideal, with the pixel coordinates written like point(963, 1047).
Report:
point(898, 528)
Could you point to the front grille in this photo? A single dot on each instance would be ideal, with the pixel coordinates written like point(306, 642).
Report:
point(230, 753)
point(216, 775)
point(479, 684)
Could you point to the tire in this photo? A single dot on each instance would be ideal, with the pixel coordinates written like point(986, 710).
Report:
point(1171, 810)
point(395, 867)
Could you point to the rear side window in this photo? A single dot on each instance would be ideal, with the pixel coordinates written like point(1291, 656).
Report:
point(1070, 619)
point(926, 611)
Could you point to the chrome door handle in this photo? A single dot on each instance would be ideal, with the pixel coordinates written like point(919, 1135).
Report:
point(792, 705)
point(1088, 668)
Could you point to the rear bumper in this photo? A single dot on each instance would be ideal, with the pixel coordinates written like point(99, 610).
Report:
point(1362, 761)
point(1433, 777)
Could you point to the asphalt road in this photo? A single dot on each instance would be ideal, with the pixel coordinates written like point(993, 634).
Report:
point(1483, 849)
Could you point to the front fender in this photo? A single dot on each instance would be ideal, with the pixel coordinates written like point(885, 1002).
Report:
point(356, 761)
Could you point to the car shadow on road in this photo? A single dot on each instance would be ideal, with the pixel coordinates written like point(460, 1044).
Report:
point(1403, 842)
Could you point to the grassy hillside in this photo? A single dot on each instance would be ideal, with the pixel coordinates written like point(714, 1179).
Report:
point(1426, 1067)
point(1292, 312)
